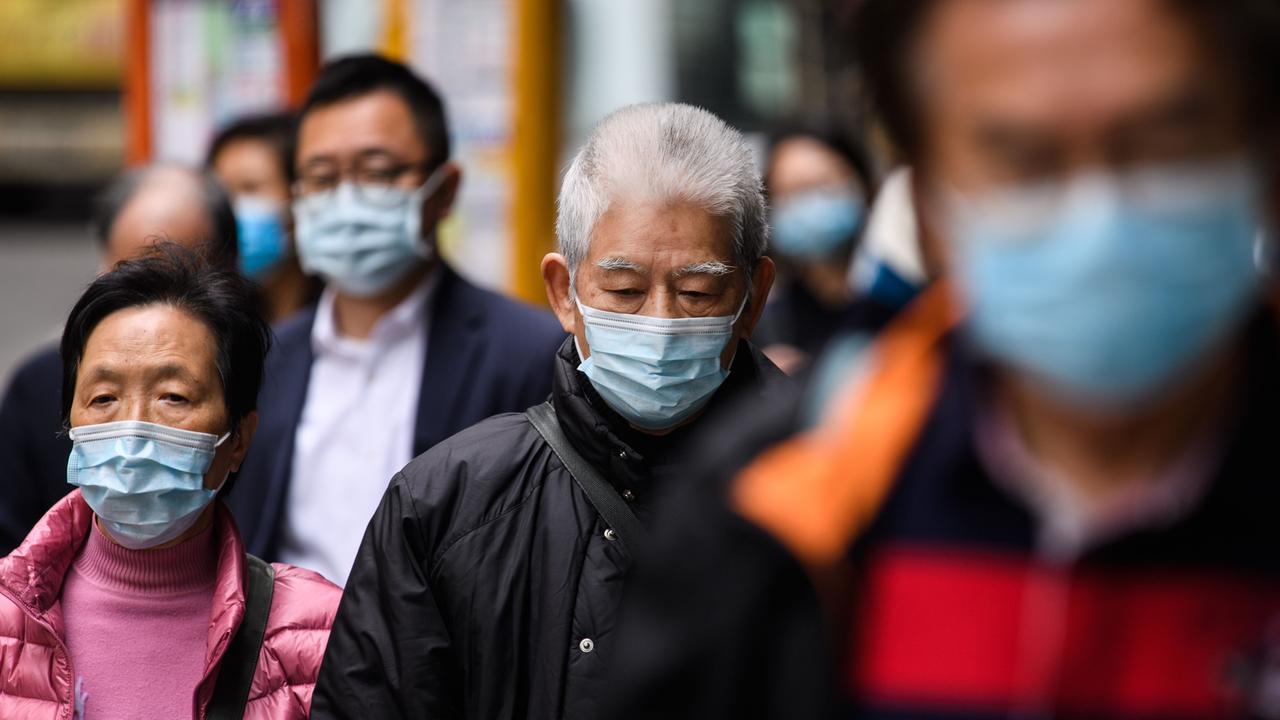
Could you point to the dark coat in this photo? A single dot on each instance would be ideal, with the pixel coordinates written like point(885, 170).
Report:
point(485, 586)
point(737, 626)
point(486, 354)
point(33, 447)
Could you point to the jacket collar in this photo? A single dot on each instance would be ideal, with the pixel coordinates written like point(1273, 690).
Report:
point(34, 573)
point(454, 345)
point(624, 455)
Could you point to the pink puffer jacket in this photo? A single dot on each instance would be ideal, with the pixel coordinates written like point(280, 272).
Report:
point(35, 670)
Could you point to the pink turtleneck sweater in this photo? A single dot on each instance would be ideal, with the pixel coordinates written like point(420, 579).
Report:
point(136, 623)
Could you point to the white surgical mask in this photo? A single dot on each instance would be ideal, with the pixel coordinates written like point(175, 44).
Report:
point(655, 372)
point(361, 247)
point(1108, 286)
point(144, 481)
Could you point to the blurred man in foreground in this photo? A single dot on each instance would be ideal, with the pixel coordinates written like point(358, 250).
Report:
point(162, 202)
point(489, 581)
point(1051, 490)
point(400, 352)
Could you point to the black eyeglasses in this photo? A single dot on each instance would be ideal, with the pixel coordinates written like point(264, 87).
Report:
point(376, 181)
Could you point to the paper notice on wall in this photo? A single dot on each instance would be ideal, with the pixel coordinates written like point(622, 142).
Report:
point(466, 50)
point(211, 62)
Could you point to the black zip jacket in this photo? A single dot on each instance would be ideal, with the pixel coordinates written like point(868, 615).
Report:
point(485, 586)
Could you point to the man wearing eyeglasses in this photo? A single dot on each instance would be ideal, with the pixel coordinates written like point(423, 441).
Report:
point(400, 352)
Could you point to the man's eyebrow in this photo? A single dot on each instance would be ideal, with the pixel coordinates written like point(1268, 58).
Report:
point(617, 263)
point(707, 267)
point(376, 153)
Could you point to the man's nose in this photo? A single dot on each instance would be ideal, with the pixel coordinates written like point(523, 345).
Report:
point(134, 408)
point(661, 303)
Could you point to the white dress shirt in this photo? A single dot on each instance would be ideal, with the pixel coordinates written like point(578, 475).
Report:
point(355, 433)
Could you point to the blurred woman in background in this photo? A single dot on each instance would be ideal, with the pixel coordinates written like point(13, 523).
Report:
point(253, 159)
point(820, 189)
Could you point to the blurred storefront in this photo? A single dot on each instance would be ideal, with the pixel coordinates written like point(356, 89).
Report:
point(89, 85)
point(61, 132)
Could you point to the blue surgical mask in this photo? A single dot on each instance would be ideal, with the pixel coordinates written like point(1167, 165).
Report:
point(144, 481)
point(262, 240)
point(655, 372)
point(362, 246)
point(817, 224)
point(1107, 287)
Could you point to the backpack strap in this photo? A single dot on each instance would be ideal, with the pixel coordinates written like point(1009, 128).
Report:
point(603, 496)
point(816, 492)
point(240, 663)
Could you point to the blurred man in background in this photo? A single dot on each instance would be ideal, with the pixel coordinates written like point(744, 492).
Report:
point(489, 582)
point(140, 207)
point(1051, 490)
point(400, 352)
point(253, 159)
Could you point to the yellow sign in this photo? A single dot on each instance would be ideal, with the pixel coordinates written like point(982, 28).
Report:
point(67, 44)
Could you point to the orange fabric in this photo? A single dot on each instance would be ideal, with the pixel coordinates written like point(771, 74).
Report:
point(817, 491)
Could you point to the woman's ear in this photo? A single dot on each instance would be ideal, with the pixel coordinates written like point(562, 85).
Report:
point(242, 438)
point(555, 275)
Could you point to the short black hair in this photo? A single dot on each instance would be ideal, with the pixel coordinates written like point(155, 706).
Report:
point(176, 276)
point(354, 76)
point(853, 152)
point(274, 129)
point(884, 32)
point(222, 249)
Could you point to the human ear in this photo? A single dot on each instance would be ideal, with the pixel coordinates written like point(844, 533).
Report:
point(761, 284)
point(555, 276)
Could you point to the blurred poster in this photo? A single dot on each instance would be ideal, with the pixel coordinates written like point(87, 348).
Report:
point(211, 61)
point(467, 49)
point(63, 45)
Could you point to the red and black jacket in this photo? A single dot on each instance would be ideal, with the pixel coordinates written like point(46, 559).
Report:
point(869, 567)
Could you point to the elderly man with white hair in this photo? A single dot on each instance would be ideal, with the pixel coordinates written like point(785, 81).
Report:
point(489, 580)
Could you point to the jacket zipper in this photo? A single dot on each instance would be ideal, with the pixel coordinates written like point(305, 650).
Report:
point(61, 645)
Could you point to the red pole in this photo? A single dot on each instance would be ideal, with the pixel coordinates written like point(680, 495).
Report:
point(299, 38)
point(136, 84)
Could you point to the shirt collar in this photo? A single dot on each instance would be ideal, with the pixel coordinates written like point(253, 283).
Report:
point(1070, 523)
point(401, 321)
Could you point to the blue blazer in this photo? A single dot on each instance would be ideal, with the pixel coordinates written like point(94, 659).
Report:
point(33, 446)
point(486, 354)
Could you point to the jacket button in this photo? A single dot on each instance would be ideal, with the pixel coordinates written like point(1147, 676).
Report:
point(610, 535)
point(622, 454)
point(628, 496)
point(587, 645)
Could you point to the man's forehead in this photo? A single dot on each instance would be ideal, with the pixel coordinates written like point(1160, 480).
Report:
point(377, 121)
point(661, 232)
point(1057, 59)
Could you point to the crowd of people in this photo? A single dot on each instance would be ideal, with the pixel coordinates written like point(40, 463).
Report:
point(988, 439)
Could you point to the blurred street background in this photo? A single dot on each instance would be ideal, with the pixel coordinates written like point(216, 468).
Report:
point(89, 87)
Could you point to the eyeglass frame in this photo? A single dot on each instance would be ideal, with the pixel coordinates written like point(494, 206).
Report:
point(351, 174)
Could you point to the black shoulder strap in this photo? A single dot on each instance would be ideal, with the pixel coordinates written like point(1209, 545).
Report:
point(231, 693)
point(615, 511)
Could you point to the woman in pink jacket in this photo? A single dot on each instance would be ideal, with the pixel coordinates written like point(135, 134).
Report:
point(133, 597)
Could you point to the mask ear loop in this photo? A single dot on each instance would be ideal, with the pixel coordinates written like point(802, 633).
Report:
point(427, 190)
point(432, 184)
point(225, 436)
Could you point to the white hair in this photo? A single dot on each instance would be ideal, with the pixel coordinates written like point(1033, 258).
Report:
point(663, 152)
